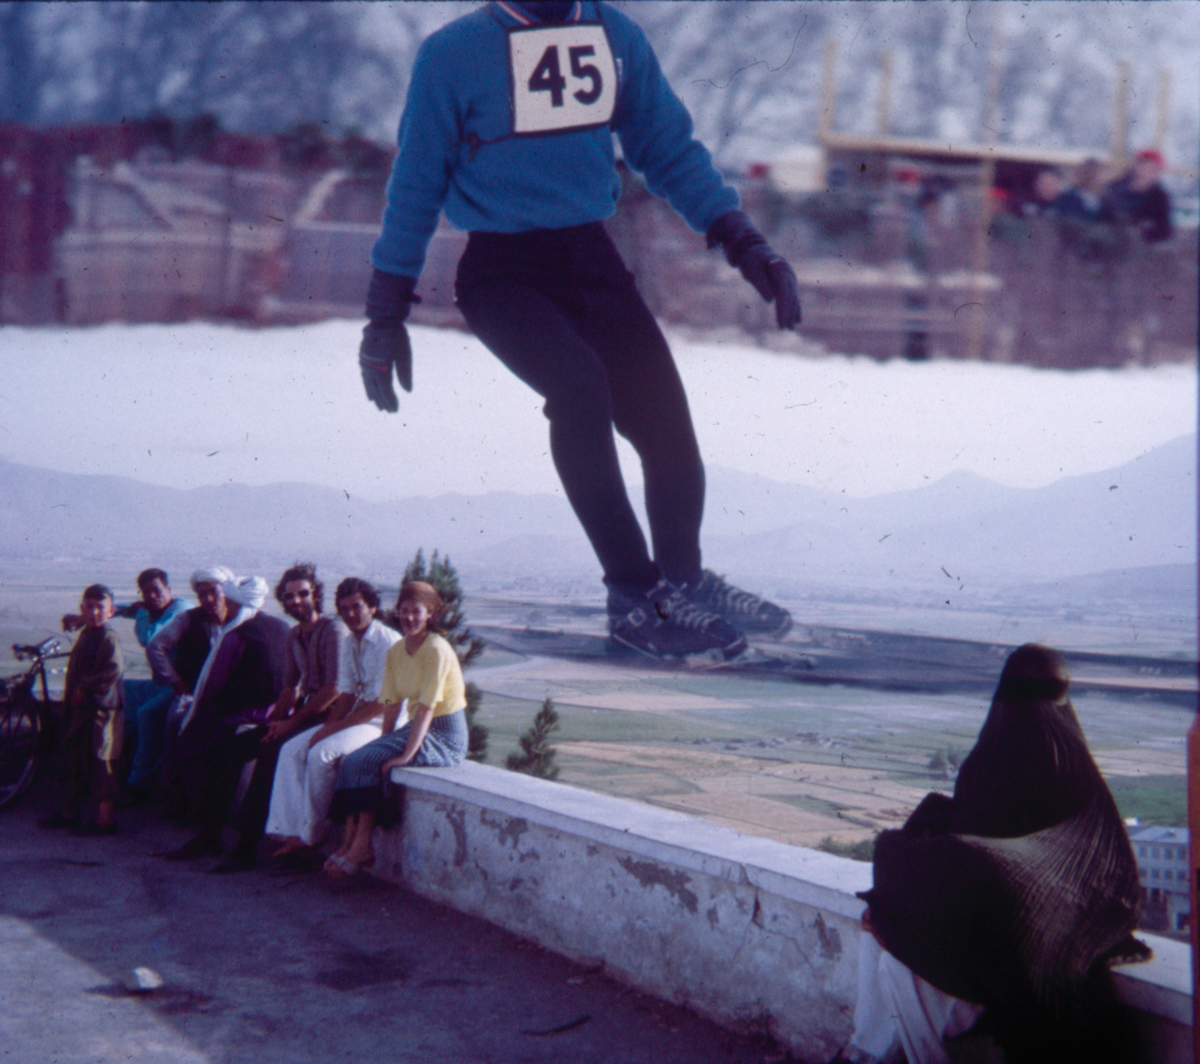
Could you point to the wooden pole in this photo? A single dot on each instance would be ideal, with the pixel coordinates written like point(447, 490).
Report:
point(987, 175)
point(883, 118)
point(1120, 146)
point(828, 105)
point(1161, 112)
point(1193, 783)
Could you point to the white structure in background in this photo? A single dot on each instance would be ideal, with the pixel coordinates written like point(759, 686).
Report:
point(1162, 859)
point(165, 241)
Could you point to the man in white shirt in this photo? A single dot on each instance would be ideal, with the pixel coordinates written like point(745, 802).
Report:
point(308, 762)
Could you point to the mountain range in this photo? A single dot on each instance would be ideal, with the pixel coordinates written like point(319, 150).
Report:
point(1136, 523)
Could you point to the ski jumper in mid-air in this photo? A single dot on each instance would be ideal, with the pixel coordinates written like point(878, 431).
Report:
point(508, 128)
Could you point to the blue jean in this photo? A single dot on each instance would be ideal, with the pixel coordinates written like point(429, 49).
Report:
point(360, 784)
point(146, 705)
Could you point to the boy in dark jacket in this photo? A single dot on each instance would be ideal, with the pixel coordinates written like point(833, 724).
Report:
point(92, 720)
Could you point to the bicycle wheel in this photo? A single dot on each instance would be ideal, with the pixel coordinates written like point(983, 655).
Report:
point(19, 729)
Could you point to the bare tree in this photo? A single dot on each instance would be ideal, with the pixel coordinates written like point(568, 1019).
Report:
point(749, 71)
point(255, 66)
point(744, 69)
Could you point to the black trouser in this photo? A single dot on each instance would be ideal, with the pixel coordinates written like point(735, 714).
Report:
point(256, 802)
point(559, 309)
point(212, 777)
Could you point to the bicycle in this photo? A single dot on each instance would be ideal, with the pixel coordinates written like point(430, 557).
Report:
point(27, 722)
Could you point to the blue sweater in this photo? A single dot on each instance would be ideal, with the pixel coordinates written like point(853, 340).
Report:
point(146, 629)
point(508, 127)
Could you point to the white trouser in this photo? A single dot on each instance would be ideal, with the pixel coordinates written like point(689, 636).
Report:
point(898, 1011)
point(304, 780)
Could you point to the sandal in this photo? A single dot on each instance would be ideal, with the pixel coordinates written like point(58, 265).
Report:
point(340, 867)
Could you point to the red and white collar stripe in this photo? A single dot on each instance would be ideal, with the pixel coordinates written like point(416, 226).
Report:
point(525, 20)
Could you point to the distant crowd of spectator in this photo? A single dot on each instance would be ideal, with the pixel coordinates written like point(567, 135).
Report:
point(1135, 199)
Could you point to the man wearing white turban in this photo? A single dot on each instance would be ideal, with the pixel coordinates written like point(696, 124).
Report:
point(177, 655)
point(178, 651)
point(237, 685)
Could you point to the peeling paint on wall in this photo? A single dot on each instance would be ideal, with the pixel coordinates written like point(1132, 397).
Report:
point(831, 941)
point(650, 874)
point(457, 819)
point(510, 828)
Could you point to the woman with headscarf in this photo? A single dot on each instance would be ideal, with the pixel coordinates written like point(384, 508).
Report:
point(424, 669)
point(1013, 897)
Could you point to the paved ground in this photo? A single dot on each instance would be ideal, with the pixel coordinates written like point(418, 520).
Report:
point(290, 969)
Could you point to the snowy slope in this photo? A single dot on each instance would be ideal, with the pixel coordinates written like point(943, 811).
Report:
point(204, 404)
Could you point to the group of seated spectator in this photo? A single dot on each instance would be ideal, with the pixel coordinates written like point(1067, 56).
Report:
point(1136, 199)
point(324, 710)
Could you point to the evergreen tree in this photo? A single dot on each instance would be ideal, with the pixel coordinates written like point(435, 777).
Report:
point(442, 575)
point(537, 755)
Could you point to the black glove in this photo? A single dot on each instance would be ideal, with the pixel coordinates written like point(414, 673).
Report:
point(384, 345)
point(747, 250)
point(385, 339)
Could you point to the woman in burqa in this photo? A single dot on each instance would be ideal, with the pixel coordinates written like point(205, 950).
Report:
point(1014, 895)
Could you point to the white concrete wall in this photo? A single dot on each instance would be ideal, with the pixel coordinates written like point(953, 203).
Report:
point(1161, 993)
point(753, 933)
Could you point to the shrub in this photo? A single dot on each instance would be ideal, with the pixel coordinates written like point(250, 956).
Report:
point(537, 755)
point(863, 850)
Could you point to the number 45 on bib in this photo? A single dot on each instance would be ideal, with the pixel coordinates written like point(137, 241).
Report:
point(563, 78)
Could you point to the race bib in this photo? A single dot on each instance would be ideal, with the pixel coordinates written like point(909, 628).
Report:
point(563, 78)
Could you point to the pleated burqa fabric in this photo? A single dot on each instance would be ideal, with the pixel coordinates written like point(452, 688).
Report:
point(1016, 893)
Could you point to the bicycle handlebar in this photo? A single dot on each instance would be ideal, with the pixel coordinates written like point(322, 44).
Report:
point(46, 648)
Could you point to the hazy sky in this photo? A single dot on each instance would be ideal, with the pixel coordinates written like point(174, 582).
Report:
point(206, 404)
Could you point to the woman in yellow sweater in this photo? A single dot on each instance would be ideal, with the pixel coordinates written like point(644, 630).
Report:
point(422, 668)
